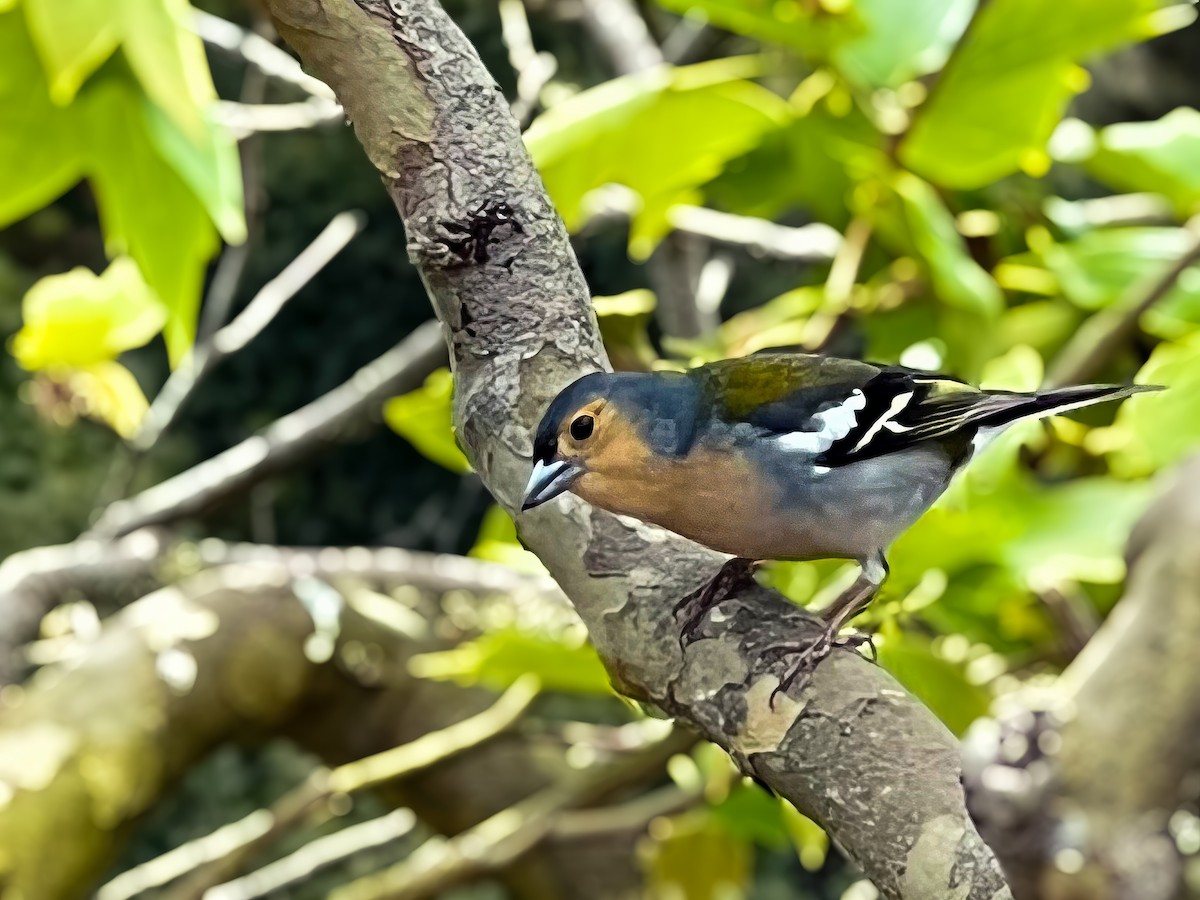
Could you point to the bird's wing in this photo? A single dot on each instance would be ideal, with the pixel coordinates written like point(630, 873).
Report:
point(842, 411)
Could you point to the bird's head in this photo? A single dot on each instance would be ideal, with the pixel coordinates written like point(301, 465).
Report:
point(604, 436)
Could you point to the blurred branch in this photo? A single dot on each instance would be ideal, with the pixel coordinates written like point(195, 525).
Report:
point(258, 52)
point(1110, 330)
point(1077, 787)
point(283, 443)
point(495, 843)
point(621, 33)
point(33, 582)
point(248, 325)
point(321, 853)
point(222, 855)
point(674, 267)
point(853, 750)
point(815, 243)
point(245, 119)
point(533, 69)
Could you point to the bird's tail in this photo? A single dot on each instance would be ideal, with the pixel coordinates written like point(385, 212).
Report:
point(1010, 408)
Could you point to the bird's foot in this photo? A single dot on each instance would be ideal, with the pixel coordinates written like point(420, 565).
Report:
point(807, 656)
point(694, 607)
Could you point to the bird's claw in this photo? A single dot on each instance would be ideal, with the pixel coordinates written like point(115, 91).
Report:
point(695, 606)
point(811, 654)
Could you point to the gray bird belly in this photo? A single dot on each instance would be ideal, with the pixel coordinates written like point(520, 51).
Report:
point(849, 511)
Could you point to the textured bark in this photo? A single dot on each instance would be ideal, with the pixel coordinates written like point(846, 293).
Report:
point(855, 751)
point(1076, 788)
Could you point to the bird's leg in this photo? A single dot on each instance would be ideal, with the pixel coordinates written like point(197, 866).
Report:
point(849, 604)
point(736, 573)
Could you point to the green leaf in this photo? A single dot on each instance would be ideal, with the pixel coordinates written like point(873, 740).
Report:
point(921, 224)
point(152, 183)
point(498, 658)
point(653, 133)
point(1159, 157)
point(1004, 89)
point(624, 321)
point(809, 838)
point(79, 319)
point(168, 59)
point(750, 814)
point(693, 856)
point(424, 418)
point(40, 154)
point(73, 38)
point(146, 209)
point(901, 41)
point(940, 684)
point(108, 392)
point(807, 27)
point(497, 542)
point(813, 161)
point(1153, 431)
point(1100, 268)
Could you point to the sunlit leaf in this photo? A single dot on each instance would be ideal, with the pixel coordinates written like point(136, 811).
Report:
point(40, 154)
point(1100, 268)
point(1006, 85)
point(155, 187)
point(424, 418)
point(1155, 430)
point(107, 391)
point(651, 132)
point(81, 319)
point(901, 41)
point(808, 27)
point(812, 162)
point(497, 542)
point(624, 321)
point(1158, 157)
point(922, 223)
point(809, 838)
point(497, 659)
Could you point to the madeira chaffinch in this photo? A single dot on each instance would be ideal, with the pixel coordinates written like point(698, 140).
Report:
point(777, 456)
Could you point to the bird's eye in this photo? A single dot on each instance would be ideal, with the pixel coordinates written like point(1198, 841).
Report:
point(582, 427)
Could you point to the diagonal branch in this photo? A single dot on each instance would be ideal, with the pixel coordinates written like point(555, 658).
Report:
point(855, 752)
point(225, 853)
point(325, 420)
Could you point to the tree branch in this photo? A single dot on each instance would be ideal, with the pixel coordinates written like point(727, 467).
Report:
point(281, 444)
point(507, 836)
point(854, 752)
point(218, 857)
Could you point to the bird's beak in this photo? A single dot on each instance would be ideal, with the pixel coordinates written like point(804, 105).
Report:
point(549, 479)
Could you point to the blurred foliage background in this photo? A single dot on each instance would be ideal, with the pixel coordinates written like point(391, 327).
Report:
point(1003, 190)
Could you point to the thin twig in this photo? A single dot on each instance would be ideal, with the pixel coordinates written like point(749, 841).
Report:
point(497, 842)
point(321, 853)
point(259, 313)
point(1105, 333)
point(281, 444)
point(257, 51)
point(814, 243)
point(222, 855)
point(533, 69)
point(245, 119)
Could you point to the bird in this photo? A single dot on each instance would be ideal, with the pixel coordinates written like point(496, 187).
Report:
point(777, 456)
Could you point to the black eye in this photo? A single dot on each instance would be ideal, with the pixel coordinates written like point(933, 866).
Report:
point(581, 428)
